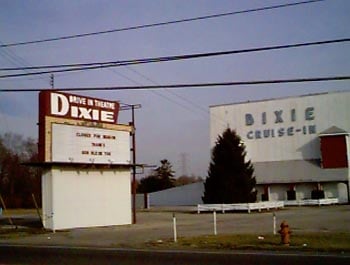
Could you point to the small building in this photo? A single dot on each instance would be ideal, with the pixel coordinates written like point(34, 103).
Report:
point(299, 146)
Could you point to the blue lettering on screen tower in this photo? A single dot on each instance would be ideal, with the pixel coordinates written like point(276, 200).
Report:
point(279, 117)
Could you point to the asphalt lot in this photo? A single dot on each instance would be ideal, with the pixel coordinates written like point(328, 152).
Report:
point(157, 224)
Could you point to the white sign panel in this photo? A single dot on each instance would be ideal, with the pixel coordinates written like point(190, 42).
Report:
point(79, 144)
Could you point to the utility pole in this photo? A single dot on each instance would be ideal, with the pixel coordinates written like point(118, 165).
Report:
point(134, 164)
point(52, 81)
point(133, 150)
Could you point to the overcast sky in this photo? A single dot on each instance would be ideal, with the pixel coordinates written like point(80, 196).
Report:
point(172, 124)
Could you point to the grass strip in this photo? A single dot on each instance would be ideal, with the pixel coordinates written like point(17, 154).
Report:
point(320, 242)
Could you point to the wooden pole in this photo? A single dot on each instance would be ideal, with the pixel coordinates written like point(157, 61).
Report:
point(5, 210)
point(37, 209)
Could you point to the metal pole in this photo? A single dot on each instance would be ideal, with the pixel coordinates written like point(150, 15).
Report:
point(174, 228)
point(215, 229)
point(134, 165)
point(274, 223)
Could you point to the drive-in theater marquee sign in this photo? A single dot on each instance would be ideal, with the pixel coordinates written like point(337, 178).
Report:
point(79, 129)
point(85, 157)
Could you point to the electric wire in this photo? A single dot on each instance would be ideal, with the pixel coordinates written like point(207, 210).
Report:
point(190, 85)
point(100, 65)
point(178, 57)
point(154, 92)
point(190, 102)
point(157, 93)
point(138, 27)
point(18, 61)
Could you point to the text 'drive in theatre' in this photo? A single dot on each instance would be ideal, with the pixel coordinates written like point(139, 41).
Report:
point(85, 108)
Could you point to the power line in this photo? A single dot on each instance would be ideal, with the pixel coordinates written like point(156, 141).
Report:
point(155, 92)
point(160, 23)
point(190, 102)
point(100, 65)
point(16, 60)
point(177, 57)
point(192, 85)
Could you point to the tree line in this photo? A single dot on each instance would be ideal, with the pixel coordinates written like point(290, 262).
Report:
point(18, 181)
point(163, 177)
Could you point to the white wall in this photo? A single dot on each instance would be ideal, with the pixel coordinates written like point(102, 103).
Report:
point(336, 190)
point(46, 183)
point(278, 192)
point(303, 191)
point(84, 198)
point(342, 192)
point(298, 114)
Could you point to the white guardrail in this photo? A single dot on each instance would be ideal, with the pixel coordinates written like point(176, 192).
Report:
point(262, 205)
point(239, 206)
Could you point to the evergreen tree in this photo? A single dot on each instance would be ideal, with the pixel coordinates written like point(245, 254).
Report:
point(161, 178)
point(230, 178)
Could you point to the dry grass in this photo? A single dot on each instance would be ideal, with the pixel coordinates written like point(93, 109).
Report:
point(322, 242)
point(19, 232)
point(12, 212)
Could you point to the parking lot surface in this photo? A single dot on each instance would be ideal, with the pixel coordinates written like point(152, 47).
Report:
point(157, 224)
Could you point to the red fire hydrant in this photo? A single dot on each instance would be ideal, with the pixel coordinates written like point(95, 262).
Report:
point(285, 233)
